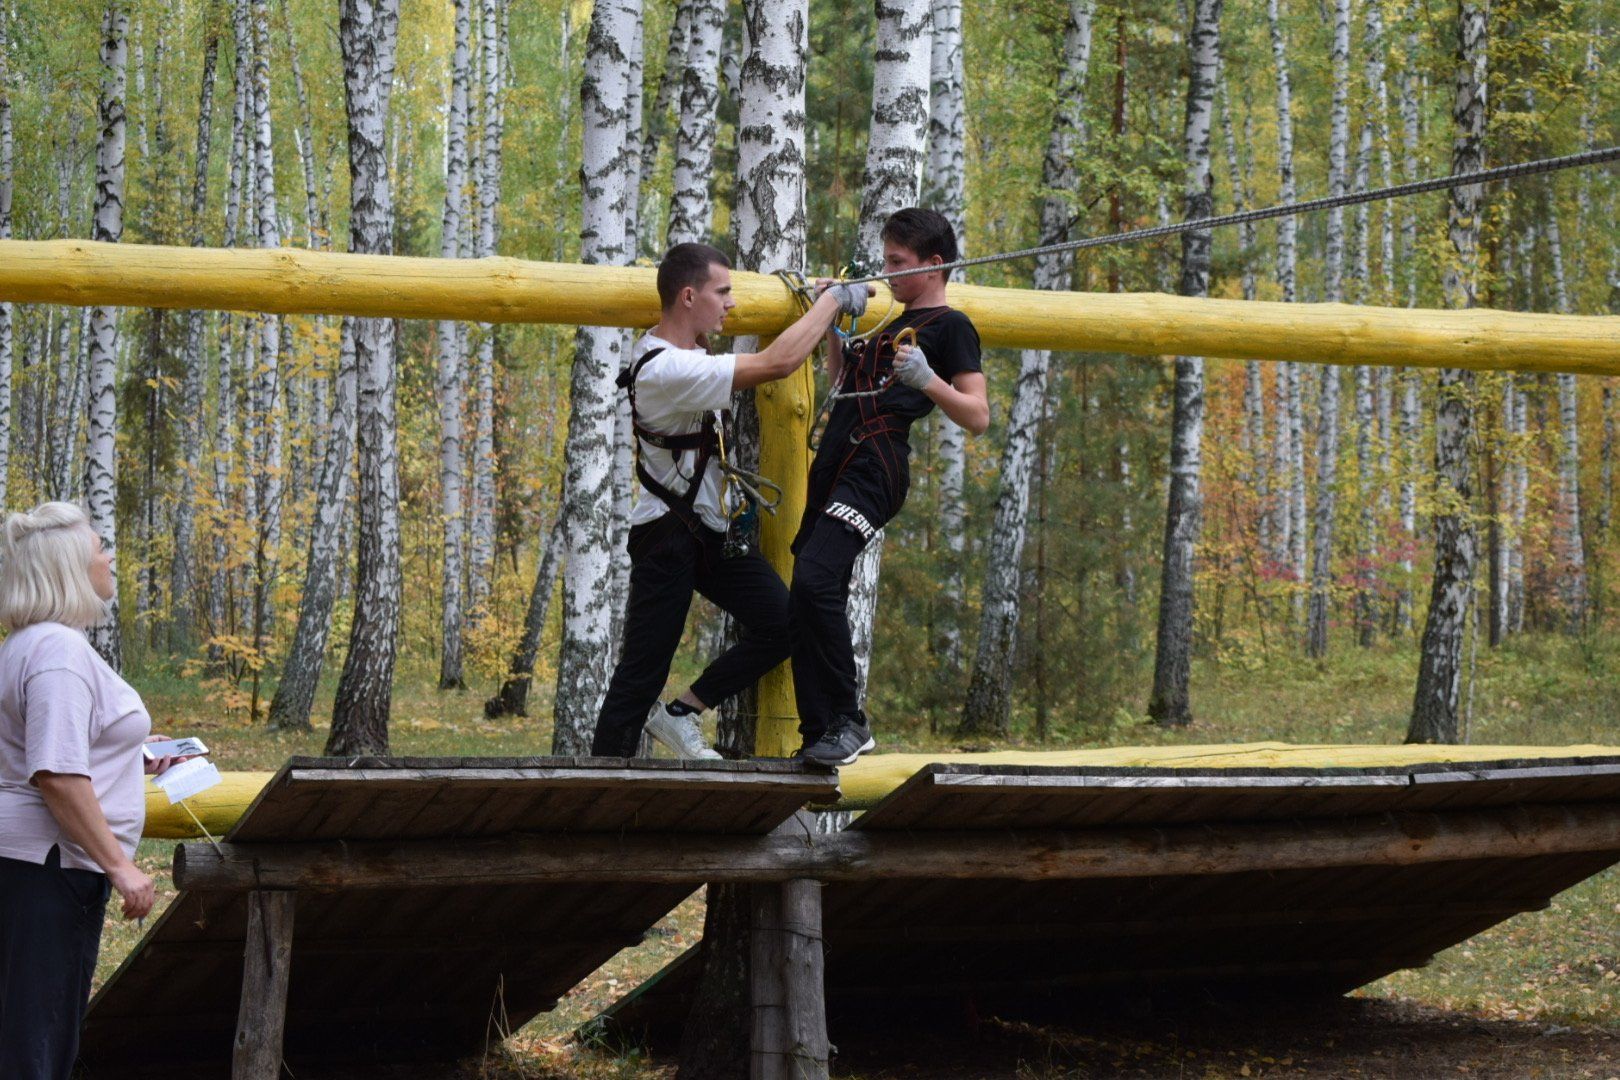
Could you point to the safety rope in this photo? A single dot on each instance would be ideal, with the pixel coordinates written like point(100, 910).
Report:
point(1242, 217)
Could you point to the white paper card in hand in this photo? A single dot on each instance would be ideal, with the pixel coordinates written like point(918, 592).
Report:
point(188, 778)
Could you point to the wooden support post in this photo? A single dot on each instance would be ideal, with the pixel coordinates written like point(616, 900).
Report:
point(786, 983)
point(266, 964)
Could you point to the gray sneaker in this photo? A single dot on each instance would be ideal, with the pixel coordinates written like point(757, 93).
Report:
point(680, 733)
point(845, 741)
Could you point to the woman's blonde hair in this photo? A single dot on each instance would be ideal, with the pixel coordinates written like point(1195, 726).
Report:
point(45, 572)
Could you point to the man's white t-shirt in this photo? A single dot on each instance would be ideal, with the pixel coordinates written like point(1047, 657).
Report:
point(674, 391)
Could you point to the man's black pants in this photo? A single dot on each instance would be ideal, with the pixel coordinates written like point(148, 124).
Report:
point(667, 563)
point(50, 932)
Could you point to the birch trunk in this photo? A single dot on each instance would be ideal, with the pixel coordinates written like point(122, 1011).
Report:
point(690, 210)
point(1372, 136)
point(1411, 381)
point(1170, 704)
point(266, 419)
point(1435, 701)
point(1252, 435)
point(1570, 546)
point(513, 697)
point(618, 597)
point(182, 579)
point(301, 672)
point(657, 124)
point(988, 706)
point(1289, 455)
point(101, 456)
point(368, 33)
point(609, 162)
point(945, 189)
point(451, 378)
point(770, 228)
point(315, 227)
point(481, 567)
point(894, 158)
point(1327, 432)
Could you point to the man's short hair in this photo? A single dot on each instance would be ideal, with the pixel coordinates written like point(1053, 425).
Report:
point(686, 266)
point(925, 232)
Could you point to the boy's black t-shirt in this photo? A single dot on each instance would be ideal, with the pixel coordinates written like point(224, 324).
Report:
point(872, 474)
point(951, 343)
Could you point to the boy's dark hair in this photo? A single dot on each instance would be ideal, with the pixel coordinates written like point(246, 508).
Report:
point(686, 266)
point(926, 232)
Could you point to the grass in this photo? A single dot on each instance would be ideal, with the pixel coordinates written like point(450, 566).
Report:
point(1559, 968)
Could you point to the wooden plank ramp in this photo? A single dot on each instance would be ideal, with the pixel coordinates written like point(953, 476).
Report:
point(421, 969)
point(1284, 881)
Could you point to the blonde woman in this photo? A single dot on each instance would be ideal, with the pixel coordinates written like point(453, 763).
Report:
point(72, 802)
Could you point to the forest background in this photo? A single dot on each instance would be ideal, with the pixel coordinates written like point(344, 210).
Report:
point(1318, 485)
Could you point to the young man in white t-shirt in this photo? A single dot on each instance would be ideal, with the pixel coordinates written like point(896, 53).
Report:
point(678, 524)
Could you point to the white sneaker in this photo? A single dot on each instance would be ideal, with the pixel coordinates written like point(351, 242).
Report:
point(680, 733)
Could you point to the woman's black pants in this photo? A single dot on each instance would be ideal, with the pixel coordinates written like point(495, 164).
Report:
point(50, 932)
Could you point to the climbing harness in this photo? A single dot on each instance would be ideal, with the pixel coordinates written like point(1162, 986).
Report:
point(1243, 217)
point(755, 491)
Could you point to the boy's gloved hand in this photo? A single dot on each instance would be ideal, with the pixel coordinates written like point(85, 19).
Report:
point(851, 298)
point(911, 367)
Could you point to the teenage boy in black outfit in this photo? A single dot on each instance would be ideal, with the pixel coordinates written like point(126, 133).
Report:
point(859, 478)
point(678, 526)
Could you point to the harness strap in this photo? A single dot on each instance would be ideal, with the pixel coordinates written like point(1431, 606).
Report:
point(706, 441)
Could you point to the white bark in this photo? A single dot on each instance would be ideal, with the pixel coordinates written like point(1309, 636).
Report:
point(988, 705)
point(894, 158)
point(1437, 696)
point(618, 597)
point(690, 209)
point(945, 189)
point(1327, 432)
point(1252, 435)
point(182, 578)
point(1288, 459)
point(657, 124)
point(1170, 701)
point(608, 164)
point(368, 32)
point(451, 377)
point(101, 457)
point(481, 555)
point(266, 419)
point(1567, 515)
point(1372, 136)
point(315, 227)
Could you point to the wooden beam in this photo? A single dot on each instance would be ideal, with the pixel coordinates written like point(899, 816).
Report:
point(290, 280)
point(266, 964)
point(857, 855)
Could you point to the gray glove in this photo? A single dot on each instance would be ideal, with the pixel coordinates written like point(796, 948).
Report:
point(911, 369)
point(851, 298)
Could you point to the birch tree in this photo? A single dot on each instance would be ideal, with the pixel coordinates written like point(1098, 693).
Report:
point(1288, 457)
point(266, 436)
point(1327, 432)
point(770, 225)
point(1570, 546)
point(451, 380)
point(482, 531)
point(368, 31)
point(182, 579)
point(945, 189)
point(608, 164)
point(894, 158)
point(690, 209)
point(988, 705)
point(1170, 704)
point(1407, 79)
point(1439, 684)
point(101, 456)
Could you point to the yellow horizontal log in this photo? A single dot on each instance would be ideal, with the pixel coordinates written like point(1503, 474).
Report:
point(290, 280)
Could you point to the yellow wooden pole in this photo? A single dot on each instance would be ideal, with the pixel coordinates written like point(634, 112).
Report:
point(786, 409)
point(288, 280)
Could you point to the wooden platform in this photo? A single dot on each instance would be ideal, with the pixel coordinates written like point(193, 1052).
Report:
point(1290, 881)
point(426, 968)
